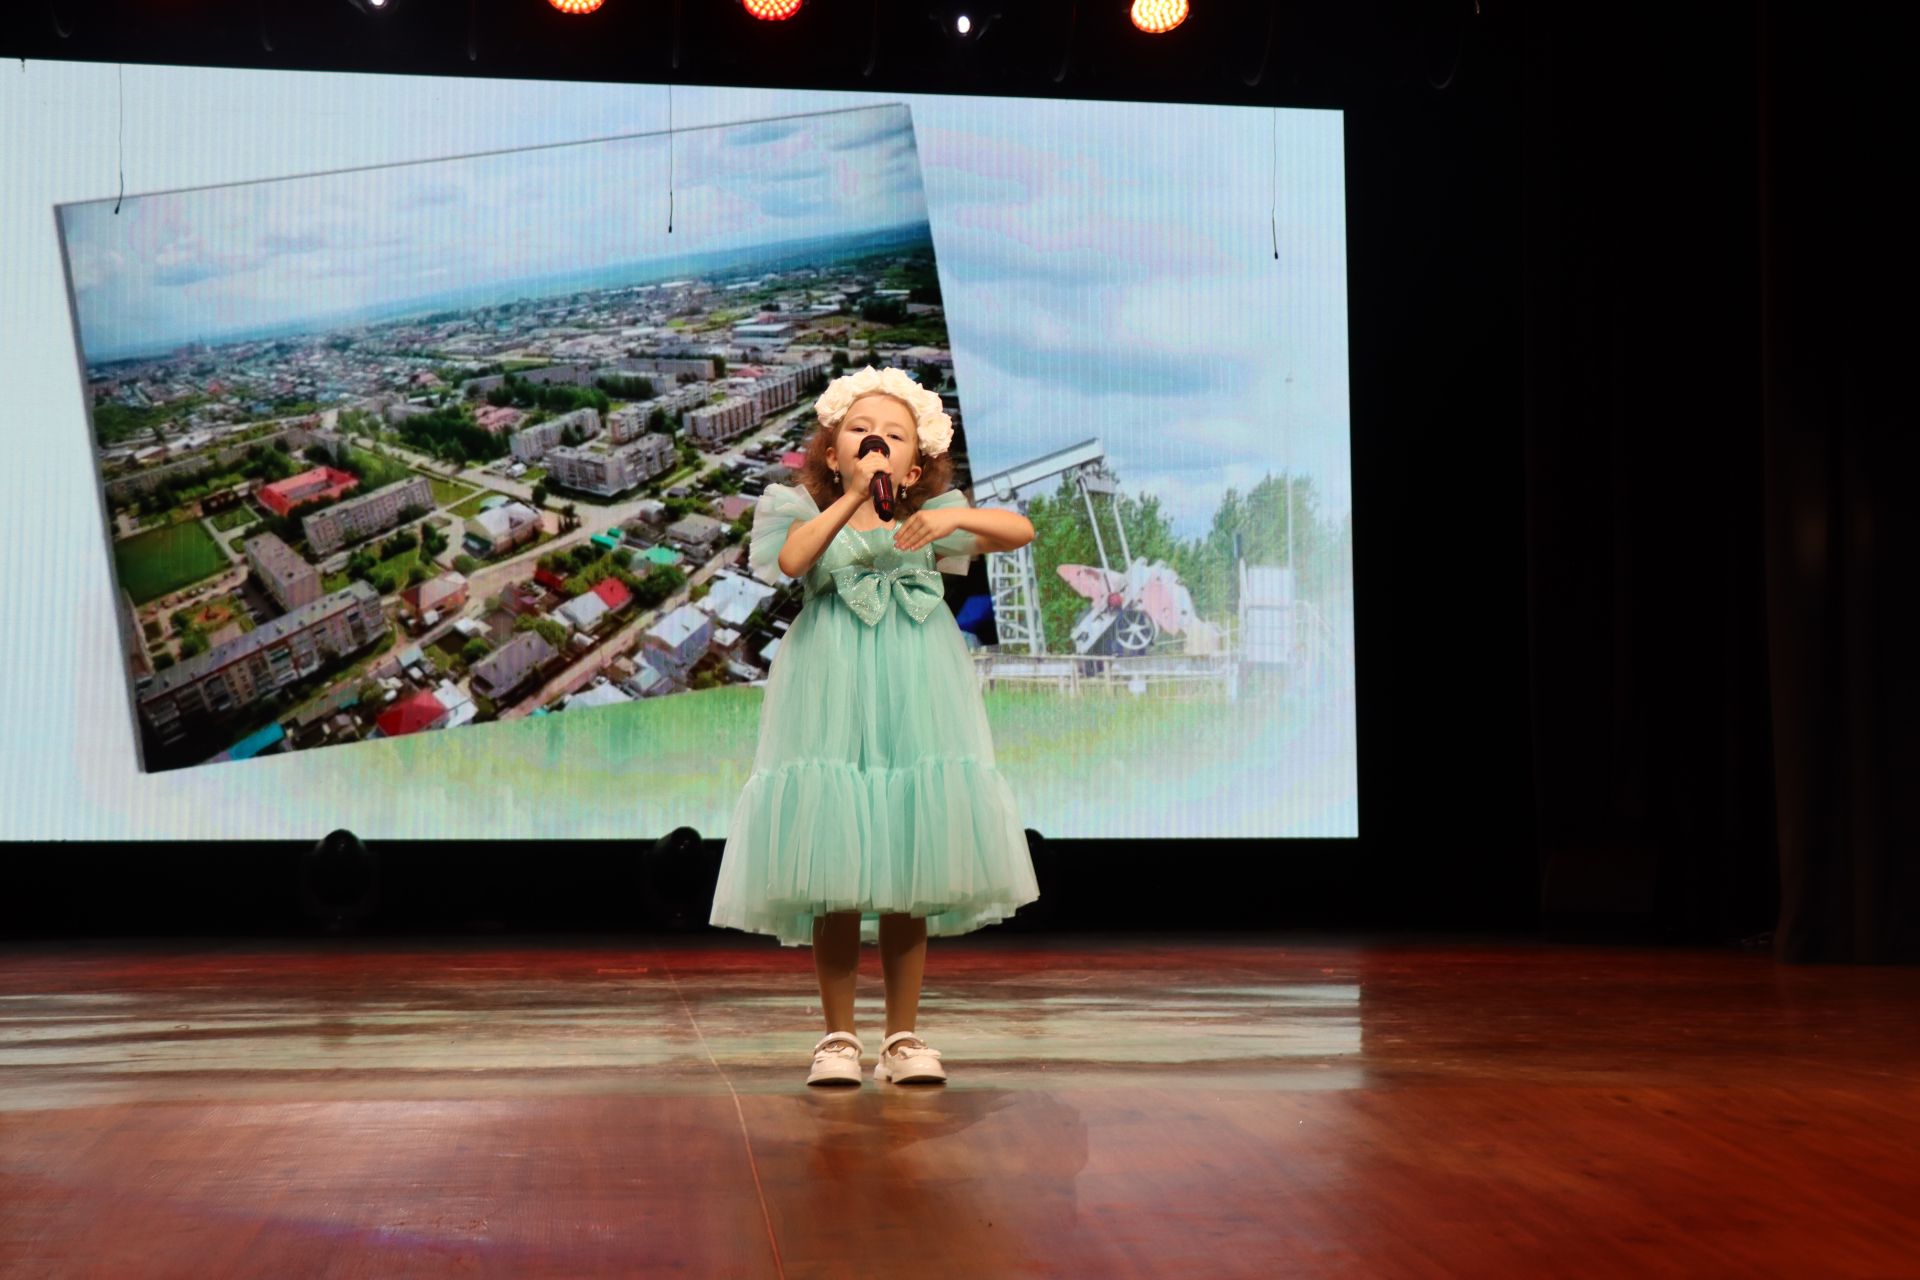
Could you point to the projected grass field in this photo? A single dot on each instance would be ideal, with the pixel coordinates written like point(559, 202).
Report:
point(158, 561)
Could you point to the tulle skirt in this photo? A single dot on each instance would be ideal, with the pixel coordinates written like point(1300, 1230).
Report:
point(874, 787)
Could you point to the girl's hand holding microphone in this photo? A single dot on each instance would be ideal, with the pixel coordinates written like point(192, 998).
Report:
point(865, 467)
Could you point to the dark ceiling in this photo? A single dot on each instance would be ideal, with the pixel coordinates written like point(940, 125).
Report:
point(1227, 51)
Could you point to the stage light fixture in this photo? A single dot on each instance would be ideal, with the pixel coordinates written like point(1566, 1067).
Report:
point(371, 6)
point(1157, 17)
point(339, 882)
point(673, 874)
point(962, 23)
point(771, 10)
point(575, 6)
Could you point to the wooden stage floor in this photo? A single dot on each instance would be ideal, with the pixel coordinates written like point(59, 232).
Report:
point(1165, 1105)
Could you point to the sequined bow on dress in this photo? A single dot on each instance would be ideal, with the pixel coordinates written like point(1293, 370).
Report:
point(867, 588)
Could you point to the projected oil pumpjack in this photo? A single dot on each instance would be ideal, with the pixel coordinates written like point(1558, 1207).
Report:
point(1128, 611)
point(1139, 616)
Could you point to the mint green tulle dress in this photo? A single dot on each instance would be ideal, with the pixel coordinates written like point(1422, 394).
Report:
point(873, 786)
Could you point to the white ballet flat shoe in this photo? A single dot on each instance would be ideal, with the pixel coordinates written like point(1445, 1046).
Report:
point(906, 1059)
point(836, 1059)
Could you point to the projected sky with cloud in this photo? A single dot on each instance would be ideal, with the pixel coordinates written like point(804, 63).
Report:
point(239, 260)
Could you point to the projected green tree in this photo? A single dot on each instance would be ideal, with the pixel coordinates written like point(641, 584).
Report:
point(1063, 534)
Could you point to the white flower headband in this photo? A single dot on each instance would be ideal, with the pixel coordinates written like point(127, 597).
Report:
point(934, 427)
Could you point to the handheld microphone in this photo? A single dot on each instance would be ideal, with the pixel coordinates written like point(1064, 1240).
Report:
point(881, 486)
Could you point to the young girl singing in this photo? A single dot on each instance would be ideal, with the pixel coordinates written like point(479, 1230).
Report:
point(874, 811)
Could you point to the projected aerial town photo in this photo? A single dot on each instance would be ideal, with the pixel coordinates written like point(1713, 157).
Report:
point(426, 446)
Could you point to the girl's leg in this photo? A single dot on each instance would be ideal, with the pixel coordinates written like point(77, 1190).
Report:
point(836, 959)
point(903, 960)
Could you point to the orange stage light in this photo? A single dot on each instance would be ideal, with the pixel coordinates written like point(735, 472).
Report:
point(1158, 16)
point(772, 10)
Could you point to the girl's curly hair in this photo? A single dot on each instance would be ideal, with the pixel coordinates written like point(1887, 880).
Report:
point(936, 472)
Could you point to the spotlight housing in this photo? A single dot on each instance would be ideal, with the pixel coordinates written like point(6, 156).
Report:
point(963, 23)
point(771, 10)
point(1157, 17)
point(575, 6)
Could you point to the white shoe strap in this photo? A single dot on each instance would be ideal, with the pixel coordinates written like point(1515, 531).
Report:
point(906, 1035)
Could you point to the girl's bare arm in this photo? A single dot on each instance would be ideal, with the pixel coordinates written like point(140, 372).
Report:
point(997, 528)
point(806, 539)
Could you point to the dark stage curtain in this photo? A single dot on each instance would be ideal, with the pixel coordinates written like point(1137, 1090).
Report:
point(1718, 404)
point(1838, 332)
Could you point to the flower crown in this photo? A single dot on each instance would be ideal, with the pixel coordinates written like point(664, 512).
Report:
point(932, 424)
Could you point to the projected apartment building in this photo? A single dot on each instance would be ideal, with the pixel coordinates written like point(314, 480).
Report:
point(606, 472)
point(287, 576)
point(240, 672)
point(752, 399)
point(329, 530)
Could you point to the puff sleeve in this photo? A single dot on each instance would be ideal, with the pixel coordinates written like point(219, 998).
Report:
point(953, 553)
point(773, 515)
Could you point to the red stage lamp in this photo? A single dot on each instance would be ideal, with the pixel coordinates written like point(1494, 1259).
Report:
point(1156, 17)
point(772, 10)
point(576, 6)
